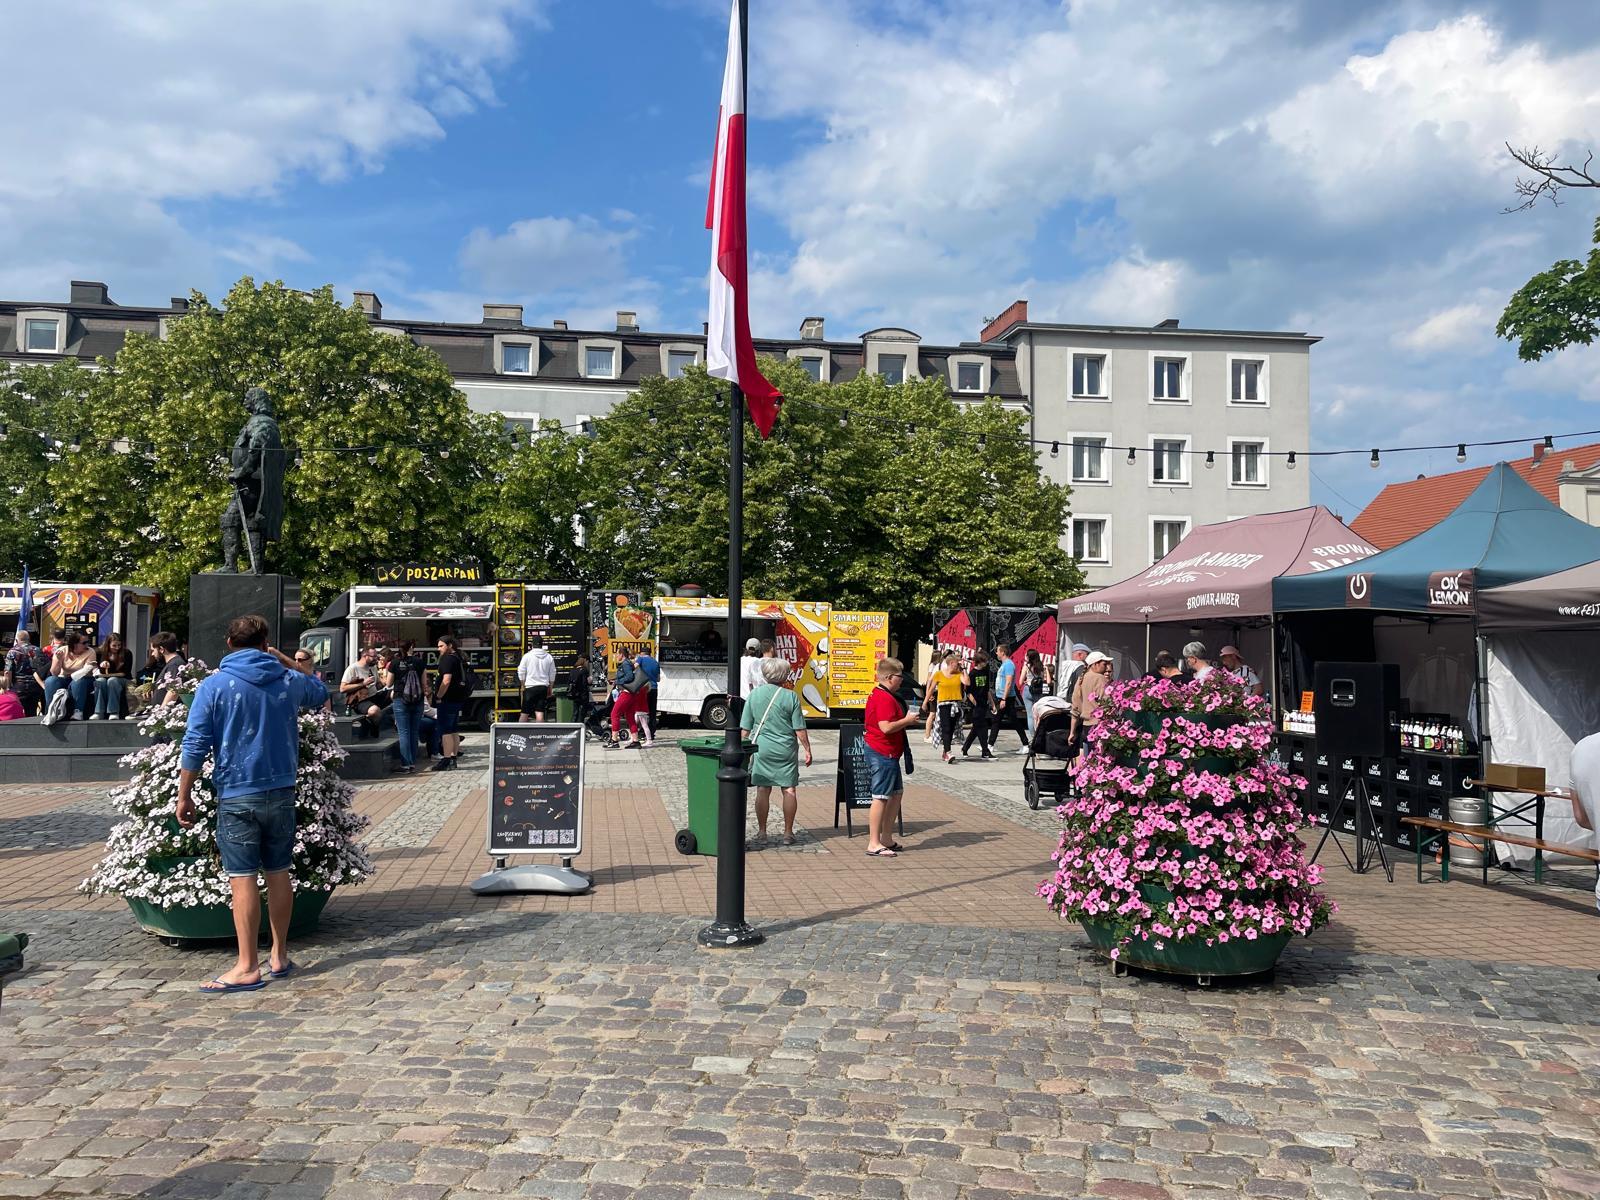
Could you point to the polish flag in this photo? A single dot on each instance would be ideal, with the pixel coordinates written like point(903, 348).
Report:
point(730, 354)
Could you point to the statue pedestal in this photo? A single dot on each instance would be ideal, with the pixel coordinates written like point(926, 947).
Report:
point(214, 600)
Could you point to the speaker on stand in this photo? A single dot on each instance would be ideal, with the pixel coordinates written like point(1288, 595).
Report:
point(1357, 707)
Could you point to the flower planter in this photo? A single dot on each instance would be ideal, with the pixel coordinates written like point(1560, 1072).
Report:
point(1220, 960)
point(213, 922)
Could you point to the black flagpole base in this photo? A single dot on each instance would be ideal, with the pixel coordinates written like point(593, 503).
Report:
point(730, 936)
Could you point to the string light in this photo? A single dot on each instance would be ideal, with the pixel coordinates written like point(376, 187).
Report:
point(1211, 459)
point(1130, 456)
point(1290, 462)
point(1461, 452)
point(1055, 447)
point(1549, 442)
point(1374, 462)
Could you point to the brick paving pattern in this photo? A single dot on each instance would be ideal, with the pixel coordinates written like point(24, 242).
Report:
point(920, 1028)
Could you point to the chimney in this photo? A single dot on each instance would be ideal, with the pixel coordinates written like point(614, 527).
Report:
point(1538, 453)
point(502, 314)
point(811, 329)
point(180, 304)
point(558, 323)
point(89, 293)
point(369, 303)
point(1169, 323)
point(1016, 314)
point(626, 319)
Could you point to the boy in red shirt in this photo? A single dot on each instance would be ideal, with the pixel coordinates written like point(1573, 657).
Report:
point(887, 722)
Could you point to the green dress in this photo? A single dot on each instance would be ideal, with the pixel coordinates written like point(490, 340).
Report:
point(777, 758)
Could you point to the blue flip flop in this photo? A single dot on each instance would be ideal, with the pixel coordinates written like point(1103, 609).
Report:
point(289, 968)
point(231, 987)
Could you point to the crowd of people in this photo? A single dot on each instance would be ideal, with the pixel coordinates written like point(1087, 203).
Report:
point(391, 687)
point(73, 678)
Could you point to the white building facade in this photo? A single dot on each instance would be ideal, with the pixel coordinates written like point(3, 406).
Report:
point(1160, 429)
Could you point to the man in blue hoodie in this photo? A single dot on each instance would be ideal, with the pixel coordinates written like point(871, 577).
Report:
point(247, 712)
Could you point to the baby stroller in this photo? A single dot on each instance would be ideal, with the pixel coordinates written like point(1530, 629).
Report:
point(1047, 769)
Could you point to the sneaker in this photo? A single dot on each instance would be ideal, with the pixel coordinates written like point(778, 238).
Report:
point(648, 745)
point(986, 754)
point(950, 759)
point(612, 746)
point(1020, 750)
point(97, 716)
point(444, 764)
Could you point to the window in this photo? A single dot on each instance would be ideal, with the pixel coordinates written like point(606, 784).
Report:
point(516, 358)
point(1247, 380)
point(812, 365)
point(599, 362)
point(678, 361)
point(42, 335)
point(1089, 541)
point(969, 377)
point(1247, 463)
point(1169, 460)
point(1169, 378)
point(1165, 534)
point(892, 367)
point(520, 422)
point(1089, 375)
point(1089, 460)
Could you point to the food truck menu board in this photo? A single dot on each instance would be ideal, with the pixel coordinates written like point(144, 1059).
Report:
point(856, 641)
point(853, 783)
point(553, 611)
point(535, 789)
point(617, 618)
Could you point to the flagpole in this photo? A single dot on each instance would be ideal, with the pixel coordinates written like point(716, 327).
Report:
point(730, 929)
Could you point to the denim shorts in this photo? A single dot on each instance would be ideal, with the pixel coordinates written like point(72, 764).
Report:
point(449, 715)
point(885, 774)
point(256, 833)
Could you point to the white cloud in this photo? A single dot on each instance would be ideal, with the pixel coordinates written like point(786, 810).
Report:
point(547, 254)
point(186, 101)
point(1468, 327)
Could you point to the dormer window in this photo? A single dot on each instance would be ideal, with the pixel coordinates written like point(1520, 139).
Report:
point(969, 377)
point(892, 367)
point(39, 332)
point(600, 362)
point(516, 358)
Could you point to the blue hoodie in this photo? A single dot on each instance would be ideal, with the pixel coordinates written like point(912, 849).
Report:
point(247, 712)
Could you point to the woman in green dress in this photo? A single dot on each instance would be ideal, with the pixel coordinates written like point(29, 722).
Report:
point(778, 728)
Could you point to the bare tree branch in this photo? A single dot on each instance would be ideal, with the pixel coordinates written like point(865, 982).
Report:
point(1549, 176)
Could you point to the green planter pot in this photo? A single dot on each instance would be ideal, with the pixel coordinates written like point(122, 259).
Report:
point(213, 922)
point(1148, 722)
point(1194, 958)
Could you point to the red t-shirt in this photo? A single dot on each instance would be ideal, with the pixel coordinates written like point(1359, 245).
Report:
point(884, 705)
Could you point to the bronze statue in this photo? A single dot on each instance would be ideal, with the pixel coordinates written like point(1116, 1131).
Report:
point(255, 479)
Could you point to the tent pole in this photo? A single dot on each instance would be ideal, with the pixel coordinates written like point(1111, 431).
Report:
point(1147, 643)
point(1272, 672)
point(1481, 686)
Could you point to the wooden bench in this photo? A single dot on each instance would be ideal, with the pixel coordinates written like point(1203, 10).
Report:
point(1486, 833)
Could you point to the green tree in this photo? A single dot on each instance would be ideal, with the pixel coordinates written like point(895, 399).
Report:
point(34, 402)
point(535, 506)
point(872, 496)
point(386, 458)
point(1557, 308)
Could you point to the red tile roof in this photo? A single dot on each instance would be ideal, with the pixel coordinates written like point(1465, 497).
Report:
point(1403, 510)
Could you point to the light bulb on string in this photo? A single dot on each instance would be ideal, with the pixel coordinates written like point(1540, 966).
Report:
point(1373, 462)
point(1131, 457)
point(1549, 442)
point(372, 460)
point(1055, 447)
point(1211, 459)
point(445, 452)
point(1290, 462)
point(1461, 452)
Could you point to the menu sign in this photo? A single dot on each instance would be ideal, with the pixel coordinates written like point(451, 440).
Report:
point(617, 619)
point(856, 642)
point(554, 613)
point(536, 789)
point(853, 783)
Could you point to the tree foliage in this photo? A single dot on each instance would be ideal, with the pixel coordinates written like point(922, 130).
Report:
point(34, 401)
point(1557, 308)
point(142, 500)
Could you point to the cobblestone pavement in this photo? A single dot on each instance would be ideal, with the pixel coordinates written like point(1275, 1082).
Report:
point(920, 1029)
point(604, 1056)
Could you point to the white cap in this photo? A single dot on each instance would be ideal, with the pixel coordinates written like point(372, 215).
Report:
point(753, 644)
point(1099, 656)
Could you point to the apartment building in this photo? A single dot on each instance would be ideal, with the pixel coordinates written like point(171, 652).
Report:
point(1159, 429)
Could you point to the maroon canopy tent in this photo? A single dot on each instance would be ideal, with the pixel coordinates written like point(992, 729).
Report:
point(1219, 576)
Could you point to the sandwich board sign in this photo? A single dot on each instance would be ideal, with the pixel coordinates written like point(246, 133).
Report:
point(535, 807)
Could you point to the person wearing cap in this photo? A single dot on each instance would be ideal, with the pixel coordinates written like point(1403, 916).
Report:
point(1086, 693)
point(750, 669)
point(1198, 659)
point(1072, 671)
point(1234, 663)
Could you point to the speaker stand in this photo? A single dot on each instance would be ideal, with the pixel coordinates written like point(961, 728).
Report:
point(1367, 839)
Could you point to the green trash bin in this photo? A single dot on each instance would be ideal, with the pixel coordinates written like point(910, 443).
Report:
point(566, 710)
point(704, 759)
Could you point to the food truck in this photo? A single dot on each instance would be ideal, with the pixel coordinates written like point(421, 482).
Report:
point(385, 615)
point(832, 653)
point(97, 609)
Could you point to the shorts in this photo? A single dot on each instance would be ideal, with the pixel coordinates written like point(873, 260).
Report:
point(536, 699)
point(255, 834)
point(448, 715)
point(884, 773)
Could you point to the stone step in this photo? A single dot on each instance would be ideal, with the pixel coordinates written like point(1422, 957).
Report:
point(27, 733)
point(365, 760)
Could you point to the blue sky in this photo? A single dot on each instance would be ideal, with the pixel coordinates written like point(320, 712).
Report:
point(1337, 168)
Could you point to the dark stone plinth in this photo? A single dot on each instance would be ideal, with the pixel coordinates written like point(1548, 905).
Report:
point(214, 600)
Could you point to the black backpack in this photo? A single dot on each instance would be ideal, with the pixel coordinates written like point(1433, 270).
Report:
point(469, 678)
point(411, 682)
